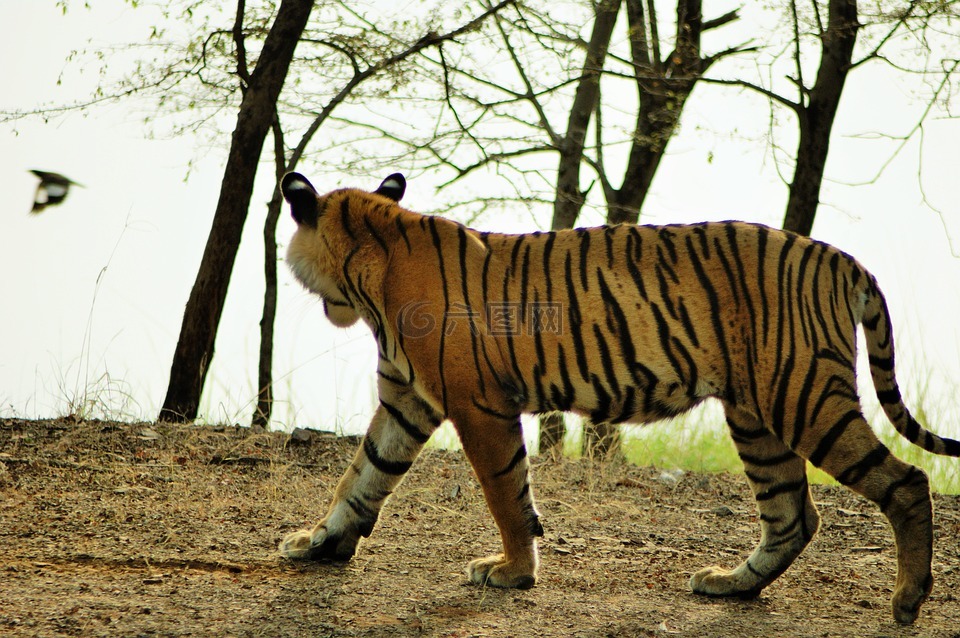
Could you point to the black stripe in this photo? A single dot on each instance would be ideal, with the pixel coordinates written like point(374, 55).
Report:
point(432, 223)
point(345, 217)
point(517, 243)
point(412, 430)
point(491, 412)
point(728, 271)
point(734, 248)
point(665, 235)
point(756, 478)
point(360, 509)
point(784, 369)
point(394, 468)
point(462, 246)
point(884, 363)
point(913, 475)
point(608, 232)
point(563, 401)
point(818, 311)
point(781, 488)
point(913, 430)
point(573, 313)
point(633, 258)
point(830, 438)
point(801, 273)
point(664, 290)
point(584, 249)
point(871, 324)
point(784, 278)
point(716, 315)
point(373, 233)
point(663, 333)
point(762, 235)
point(687, 323)
point(629, 407)
point(664, 264)
point(856, 472)
point(801, 419)
point(485, 271)
point(606, 361)
point(540, 367)
point(547, 250)
point(524, 283)
point(511, 331)
point(691, 382)
point(392, 379)
point(738, 432)
point(403, 232)
point(512, 465)
point(767, 461)
point(889, 397)
point(601, 413)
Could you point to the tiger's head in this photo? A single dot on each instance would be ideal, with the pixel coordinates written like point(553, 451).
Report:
point(326, 239)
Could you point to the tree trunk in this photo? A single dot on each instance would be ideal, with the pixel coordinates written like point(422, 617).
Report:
point(264, 409)
point(816, 116)
point(569, 198)
point(194, 350)
point(663, 87)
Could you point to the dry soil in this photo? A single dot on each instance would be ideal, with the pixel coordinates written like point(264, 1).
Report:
point(155, 529)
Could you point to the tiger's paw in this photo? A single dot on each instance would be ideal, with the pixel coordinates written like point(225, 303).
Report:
point(716, 581)
point(907, 601)
point(317, 544)
point(497, 571)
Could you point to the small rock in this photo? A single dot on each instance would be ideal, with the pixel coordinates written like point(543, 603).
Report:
point(301, 435)
point(670, 477)
point(722, 510)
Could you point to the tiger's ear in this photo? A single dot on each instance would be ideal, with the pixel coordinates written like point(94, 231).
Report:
point(302, 197)
point(393, 187)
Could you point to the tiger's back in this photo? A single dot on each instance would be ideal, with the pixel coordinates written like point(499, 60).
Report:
point(626, 323)
point(623, 324)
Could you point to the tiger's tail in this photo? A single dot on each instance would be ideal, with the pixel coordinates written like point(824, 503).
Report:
point(878, 330)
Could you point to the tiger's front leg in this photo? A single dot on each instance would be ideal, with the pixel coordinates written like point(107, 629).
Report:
point(495, 448)
point(401, 425)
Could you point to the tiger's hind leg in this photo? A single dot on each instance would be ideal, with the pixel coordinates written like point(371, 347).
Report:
point(848, 450)
point(788, 516)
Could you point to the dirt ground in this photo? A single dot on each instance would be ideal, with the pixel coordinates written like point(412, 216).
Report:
point(155, 529)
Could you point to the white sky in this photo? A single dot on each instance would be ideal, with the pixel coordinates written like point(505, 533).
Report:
point(92, 292)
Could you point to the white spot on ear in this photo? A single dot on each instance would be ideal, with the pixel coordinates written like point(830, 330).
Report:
point(390, 183)
point(297, 185)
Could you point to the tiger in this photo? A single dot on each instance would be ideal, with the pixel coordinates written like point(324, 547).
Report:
point(623, 324)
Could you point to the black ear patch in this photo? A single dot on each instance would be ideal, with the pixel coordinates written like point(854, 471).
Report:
point(393, 187)
point(302, 197)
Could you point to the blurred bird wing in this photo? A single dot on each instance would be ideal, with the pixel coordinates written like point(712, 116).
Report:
point(56, 190)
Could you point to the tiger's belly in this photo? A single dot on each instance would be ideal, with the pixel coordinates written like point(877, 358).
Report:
point(633, 394)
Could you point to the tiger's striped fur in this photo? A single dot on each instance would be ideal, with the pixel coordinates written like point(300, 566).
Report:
point(623, 324)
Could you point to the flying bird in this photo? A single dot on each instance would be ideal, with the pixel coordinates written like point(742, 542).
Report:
point(51, 190)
